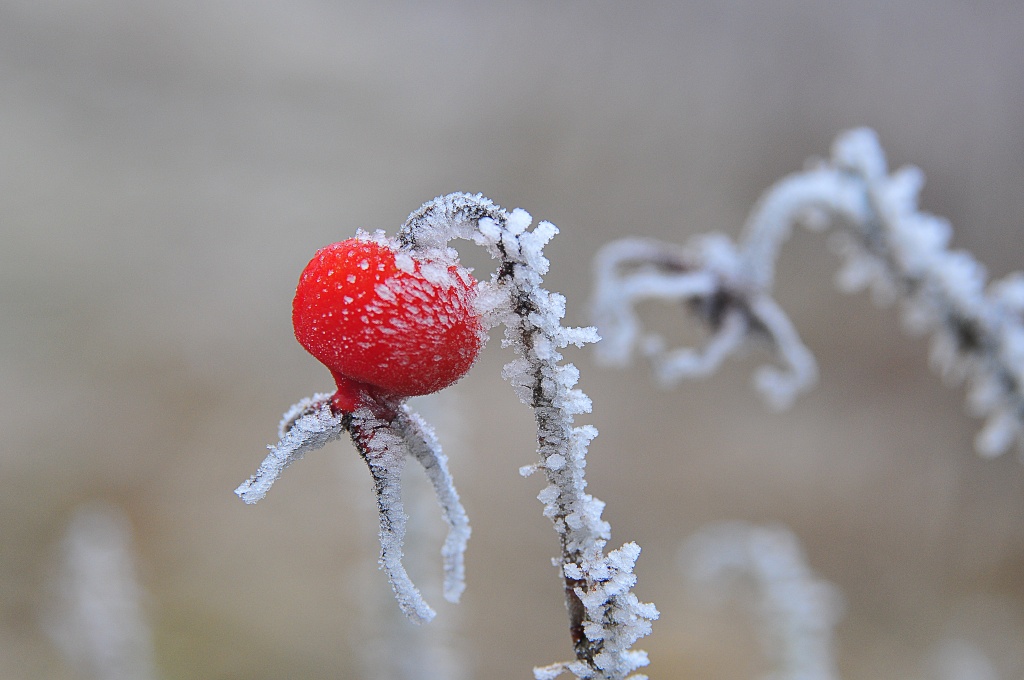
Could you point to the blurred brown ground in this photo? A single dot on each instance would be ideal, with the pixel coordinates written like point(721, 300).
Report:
point(167, 169)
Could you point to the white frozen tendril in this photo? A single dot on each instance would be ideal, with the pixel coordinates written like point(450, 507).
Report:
point(425, 448)
point(307, 426)
point(888, 246)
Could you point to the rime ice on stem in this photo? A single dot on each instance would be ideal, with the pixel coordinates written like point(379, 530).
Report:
point(383, 439)
point(605, 617)
point(888, 246)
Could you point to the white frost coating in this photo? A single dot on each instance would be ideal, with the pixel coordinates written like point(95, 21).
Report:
point(383, 450)
point(605, 617)
point(423, 445)
point(405, 262)
point(310, 426)
point(97, 619)
point(796, 612)
point(888, 246)
point(303, 407)
point(383, 442)
point(615, 618)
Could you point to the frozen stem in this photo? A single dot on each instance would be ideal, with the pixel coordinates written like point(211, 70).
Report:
point(888, 245)
point(605, 617)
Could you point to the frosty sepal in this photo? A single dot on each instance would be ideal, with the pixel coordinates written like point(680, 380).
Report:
point(381, 445)
point(709, 277)
point(384, 436)
point(307, 426)
point(423, 445)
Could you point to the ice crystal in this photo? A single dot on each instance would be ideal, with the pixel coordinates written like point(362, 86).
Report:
point(888, 247)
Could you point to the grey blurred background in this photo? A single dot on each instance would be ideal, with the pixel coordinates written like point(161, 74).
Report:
point(168, 168)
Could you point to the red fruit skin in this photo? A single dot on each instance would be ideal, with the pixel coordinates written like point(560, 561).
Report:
point(381, 330)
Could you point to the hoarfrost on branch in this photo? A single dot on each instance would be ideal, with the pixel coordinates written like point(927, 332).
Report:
point(888, 246)
point(605, 617)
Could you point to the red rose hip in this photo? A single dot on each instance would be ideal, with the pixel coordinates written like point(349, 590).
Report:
point(386, 324)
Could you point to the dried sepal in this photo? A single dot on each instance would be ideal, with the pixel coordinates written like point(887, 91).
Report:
point(307, 426)
point(384, 436)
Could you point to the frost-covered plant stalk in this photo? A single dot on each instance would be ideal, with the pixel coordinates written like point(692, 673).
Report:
point(97, 618)
point(605, 617)
point(888, 245)
point(796, 612)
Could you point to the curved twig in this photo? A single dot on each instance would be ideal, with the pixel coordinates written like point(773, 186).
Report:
point(605, 617)
point(899, 252)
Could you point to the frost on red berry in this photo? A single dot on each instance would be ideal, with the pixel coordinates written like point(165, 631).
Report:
point(385, 323)
point(389, 324)
point(396, 318)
